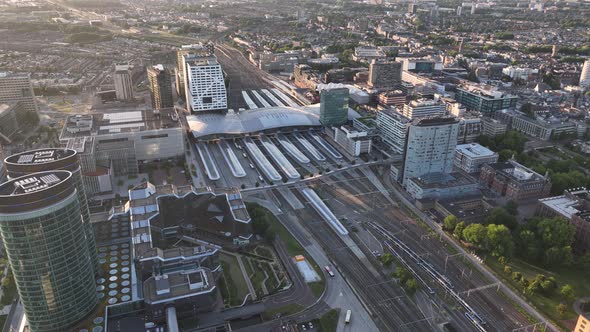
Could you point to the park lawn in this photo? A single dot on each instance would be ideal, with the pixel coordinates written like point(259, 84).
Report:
point(547, 305)
point(234, 279)
point(329, 321)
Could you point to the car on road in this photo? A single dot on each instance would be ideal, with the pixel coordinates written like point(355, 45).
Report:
point(348, 316)
point(329, 271)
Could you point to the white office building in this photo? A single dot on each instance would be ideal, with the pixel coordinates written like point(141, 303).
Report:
point(423, 108)
point(392, 127)
point(204, 84)
point(355, 142)
point(430, 147)
point(123, 83)
point(15, 88)
point(470, 157)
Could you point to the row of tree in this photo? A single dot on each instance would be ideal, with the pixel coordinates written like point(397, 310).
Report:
point(547, 241)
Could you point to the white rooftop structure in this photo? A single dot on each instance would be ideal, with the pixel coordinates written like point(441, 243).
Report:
point(474, 150)
point(255, 120)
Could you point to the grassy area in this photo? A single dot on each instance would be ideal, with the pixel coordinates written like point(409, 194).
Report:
point(293, 247)
point(235, 284)
point(329, 321)
point(546, 304)
point(287, 310)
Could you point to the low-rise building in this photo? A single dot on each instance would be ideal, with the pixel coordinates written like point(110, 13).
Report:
point(573, 205)
point(355, 142)
point(120, 140)
point(471, 157)
point(484, 98)
point(423, 108)
point(395, 98)
point(493, 127)
point(515, 181)
point(470, 127)
point(441, 185)
point(367, 53)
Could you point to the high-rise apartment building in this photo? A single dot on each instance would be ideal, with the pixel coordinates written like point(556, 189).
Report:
point(393, 129)
point(15, 88)
point(585, 76)
point(195, 49)
point(123, 83)
point(334, 106)
point(46, 160)
point(41, 225)
point(204, 84)
point(160, 87)
point(423, 108)
point(430, 147)
point(385, 74)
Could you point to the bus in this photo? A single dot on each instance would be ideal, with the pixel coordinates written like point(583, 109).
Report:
point(329, 271)
point(347, 319)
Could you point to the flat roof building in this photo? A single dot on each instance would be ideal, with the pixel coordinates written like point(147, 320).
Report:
point(515, 181)
point(355, 142)
point(153, 134)
point(423, 108)
point(42, 229)
point(483, 98)
point(573, 205)
point(471, 157)
point(385, 74)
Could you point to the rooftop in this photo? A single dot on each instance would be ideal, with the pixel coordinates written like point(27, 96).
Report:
point(516, 171)
point(177, 285)
point(33, 183)
point(41, 156)
point(475, 150)
point(255, 120)
point(118, 121)
point(436, 180)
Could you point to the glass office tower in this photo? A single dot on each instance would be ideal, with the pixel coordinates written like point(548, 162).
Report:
point(40, 223)
point(44, 160)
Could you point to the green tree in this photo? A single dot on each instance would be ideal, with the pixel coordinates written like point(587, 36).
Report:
point(411, 285)
point(500, 216)
point(561, 310)
point(458, 232)
point(450, 222)
point(475, 234)
point(386, 259)
point(499, 240)
point(568, 293)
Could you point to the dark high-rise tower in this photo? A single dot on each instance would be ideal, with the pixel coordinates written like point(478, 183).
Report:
point(160, 86)
point(44, 160)
point(42, 228)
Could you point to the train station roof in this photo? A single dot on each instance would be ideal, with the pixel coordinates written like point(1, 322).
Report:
point(255, 120)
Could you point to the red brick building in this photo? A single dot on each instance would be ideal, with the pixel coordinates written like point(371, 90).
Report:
point(515, 181)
